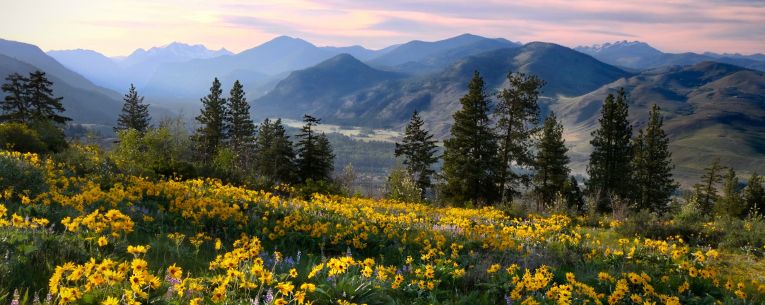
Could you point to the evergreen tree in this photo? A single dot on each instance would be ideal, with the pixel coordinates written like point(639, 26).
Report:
point(135, 114)
point(609, 167)
point(274, 158)
point(43, 106)
point(706, 190)
point(730, 202)
point(418, 149)
point(551, 162)
point(652, 166)
point(573, 194)
point(517, 115)
point(315, 158)
point(754, 195)
point(15, 105)
point(470, 157)
point(211, 132)
point(241, 129)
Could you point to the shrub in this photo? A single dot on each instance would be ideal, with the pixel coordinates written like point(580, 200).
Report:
point(19, 137)
point(400, 186)
point(21, 176)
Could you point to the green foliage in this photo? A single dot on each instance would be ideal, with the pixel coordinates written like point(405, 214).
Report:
point(754, 196)
point(15, 105)
point(135, 114)
point(31, 99)
point(274, 158)
point(418, 149)
point(19, 137)
point(402, 187)
point(609, 167)
point(211, 132)
point(315, 159)
point(21, 177)
point(471, 164)
point(706, 190)
point(517, 114)
point(730, 203)
point(51, 134)
point(652, 166)
point(552, 165)
point(240, 128)
point(163, 151)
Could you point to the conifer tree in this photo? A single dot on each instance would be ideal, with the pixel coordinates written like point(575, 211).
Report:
point(551, 161)
point(730, 202)
point(517, 115)
point(211, 132)
point(652, 166)
point(43, 106)
point(754, 195)
point(240, 128)
point(609, 167)
point(706, 190)
point(274, 158)
point(573, 194)
point(315, 158)
point(135, 114)
point(470, 159)
point(418, 149)
point(15, 105)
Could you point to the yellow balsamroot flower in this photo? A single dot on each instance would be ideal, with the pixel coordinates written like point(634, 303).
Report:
point(280, 301)
point(136, 250)
point(293, 273)
point(102, 241)
point(110, 301)
point(175, 272)
point(285, 288)
point(493, 268)
point(308, 287)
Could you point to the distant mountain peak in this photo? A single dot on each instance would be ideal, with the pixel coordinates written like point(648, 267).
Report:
point(623, 44)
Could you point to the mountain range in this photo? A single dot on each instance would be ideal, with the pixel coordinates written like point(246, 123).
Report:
point(713, 103)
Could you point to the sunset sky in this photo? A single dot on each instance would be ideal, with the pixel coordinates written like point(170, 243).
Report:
point(117, 27)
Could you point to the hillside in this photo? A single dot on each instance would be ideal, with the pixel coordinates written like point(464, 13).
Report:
point(319, 90)
point(711, 110)
point(389, 103)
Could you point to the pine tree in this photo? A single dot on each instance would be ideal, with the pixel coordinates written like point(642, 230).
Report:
point(610, 159)
point(730, 203)
point(241, 129)
point(43, 106)
point(315, 158)
point(652, 166)
point(754, 195)
point(418, 149)
point(470, 158)
point(135, 114)
point(706, 190)
point(274, 158)
point(517, 115)
point(551, 161)
point(573, 194)
point(211, 132)
point(15, 105)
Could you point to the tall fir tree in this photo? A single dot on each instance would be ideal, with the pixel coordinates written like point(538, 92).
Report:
point(274, 158)
point(314, 153)
point(43, 105)
point(211, 133)
point(471, 164)
point(551, 162)
point(15, 105)
point(754, 195)
point(418, 149)
point(135, 114)
point(706, 190)
point(240, 128)
point(609, 167)
point(652, 165)
point(517, 116)
point(730, 202)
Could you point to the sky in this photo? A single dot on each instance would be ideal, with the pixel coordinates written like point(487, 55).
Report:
point(117, 27)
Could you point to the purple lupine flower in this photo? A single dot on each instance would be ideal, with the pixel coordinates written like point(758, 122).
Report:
point(269, 296)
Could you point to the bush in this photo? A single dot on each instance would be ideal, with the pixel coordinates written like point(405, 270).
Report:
point(19, 137)
point(402, 187)
point(164, 151)
point(50, 134)
point(22, 177)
